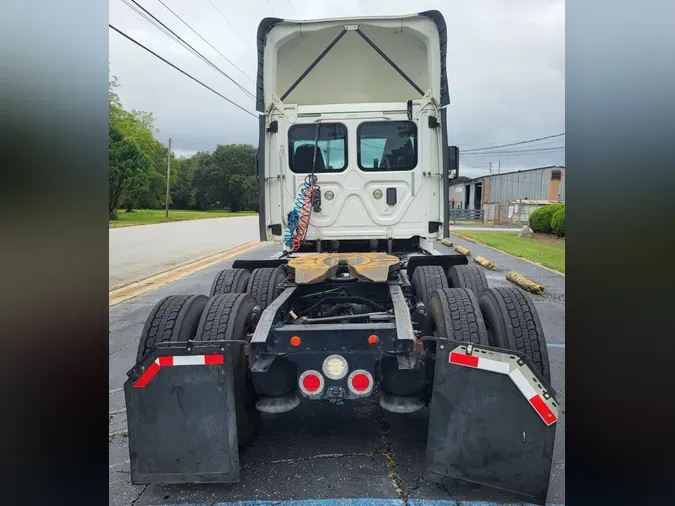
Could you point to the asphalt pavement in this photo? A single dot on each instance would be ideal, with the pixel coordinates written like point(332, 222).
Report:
point(142, 251)
point(355, 454)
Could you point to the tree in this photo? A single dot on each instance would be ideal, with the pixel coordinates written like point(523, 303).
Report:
point(127, 168)
point(226, 178)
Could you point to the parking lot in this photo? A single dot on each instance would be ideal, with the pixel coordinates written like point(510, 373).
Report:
point(355, 452)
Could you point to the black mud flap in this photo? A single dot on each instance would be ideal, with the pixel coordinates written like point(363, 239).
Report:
point(181, 415)
point(492, 422)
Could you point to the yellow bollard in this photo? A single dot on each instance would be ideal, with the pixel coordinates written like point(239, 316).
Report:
point(463, 251)
point(485, 263)
point(525, 283)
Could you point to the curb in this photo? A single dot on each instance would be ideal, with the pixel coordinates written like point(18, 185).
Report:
point(485, 263)
point(524, 283)
point(145, 285)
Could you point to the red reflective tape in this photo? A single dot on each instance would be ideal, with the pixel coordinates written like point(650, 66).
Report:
point(461, 359)
point(213, 359)
point(543, 410)
point(147, 375)
point(166, 361)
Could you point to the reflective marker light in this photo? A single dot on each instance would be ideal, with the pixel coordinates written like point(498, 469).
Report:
point(377, 194)
point(373, 339)
point(329, 195)
point(295, 341)
point(360, 382)
point(311, 382)
point(335, 367)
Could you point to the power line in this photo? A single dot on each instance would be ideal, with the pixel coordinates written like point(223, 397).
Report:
point(184, 43)
point(516, 143)
point(273, 9)
point(521, 152)
point(181, 70)
point(293, 8)
point(198, 35)
point(497, 153)
point(228, 22)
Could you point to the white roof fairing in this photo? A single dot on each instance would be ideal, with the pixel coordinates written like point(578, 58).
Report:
point(352, 71)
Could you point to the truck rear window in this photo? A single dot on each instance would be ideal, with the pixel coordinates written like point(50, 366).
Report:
point(387, 145)
point(331, 155)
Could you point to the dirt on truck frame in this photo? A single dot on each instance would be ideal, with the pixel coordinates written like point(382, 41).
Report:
point(353, 166)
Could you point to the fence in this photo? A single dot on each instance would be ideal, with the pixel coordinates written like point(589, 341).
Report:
point(467, 215)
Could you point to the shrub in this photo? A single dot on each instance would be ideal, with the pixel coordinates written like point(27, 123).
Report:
point(540, 219)
point(558, 222)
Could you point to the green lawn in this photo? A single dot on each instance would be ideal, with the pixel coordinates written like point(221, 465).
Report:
point(550, 255)
point(150, 216)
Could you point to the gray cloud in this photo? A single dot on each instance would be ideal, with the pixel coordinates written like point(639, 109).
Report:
point(506, 70)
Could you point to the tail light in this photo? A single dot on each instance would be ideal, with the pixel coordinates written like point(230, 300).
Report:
point(311, 383)
point(360, 382)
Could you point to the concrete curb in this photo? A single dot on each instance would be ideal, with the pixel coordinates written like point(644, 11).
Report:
point(463, 251)
point(447, 242)
point(524, 283)
point(145, 285)
point(485, 263)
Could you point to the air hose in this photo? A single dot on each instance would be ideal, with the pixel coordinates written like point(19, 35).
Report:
point(298, 218)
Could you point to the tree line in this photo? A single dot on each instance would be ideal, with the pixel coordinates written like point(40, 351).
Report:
point(222, 179)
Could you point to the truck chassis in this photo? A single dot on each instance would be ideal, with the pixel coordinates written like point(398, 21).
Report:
point(415, 328)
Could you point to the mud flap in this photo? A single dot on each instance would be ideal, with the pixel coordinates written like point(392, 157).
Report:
point(181, 415)
point(492, 422)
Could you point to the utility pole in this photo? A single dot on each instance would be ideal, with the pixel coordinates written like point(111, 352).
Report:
point(499, 167)
point(168, 180)
point(490, 168)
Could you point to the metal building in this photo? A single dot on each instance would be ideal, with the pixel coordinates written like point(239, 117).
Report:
point(498, 194)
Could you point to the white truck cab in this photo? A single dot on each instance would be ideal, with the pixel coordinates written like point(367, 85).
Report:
point(358, 103)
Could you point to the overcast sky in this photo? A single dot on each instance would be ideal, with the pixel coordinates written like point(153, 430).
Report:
point(506, 70)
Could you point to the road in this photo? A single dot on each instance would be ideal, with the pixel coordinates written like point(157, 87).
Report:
point(139, 252)
point(326, 452)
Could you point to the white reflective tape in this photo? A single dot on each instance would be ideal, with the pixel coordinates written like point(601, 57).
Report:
point(188, 360)
point(494, 365)
point(523, 385)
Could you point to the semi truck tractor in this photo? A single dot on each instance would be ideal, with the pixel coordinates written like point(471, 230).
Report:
point(353, 169)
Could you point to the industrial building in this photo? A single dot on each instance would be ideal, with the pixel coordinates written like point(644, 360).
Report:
point(512, 196)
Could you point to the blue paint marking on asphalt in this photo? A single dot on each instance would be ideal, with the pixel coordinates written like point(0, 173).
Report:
point(555, 345)
point(365, 501)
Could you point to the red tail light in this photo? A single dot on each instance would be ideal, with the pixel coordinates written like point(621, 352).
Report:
point(360, 382)
point(311, 383)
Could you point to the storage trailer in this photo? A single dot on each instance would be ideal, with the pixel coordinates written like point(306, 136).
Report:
point(353, 168)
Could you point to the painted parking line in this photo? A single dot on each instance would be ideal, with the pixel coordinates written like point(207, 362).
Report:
point(555, 345)
point(364, 501)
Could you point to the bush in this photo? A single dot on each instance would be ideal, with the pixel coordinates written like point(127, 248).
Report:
point(558, 222)
point(540, 219)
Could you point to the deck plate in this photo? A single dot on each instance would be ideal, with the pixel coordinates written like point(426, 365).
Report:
point(317, 267)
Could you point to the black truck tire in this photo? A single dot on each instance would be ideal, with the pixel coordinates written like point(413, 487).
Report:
point(514, 324)
point(264, 284)
point(425, 280)
point(173, 319)
point(470, 277)
point(230, 281)
point(456, 315)
point(226, 317)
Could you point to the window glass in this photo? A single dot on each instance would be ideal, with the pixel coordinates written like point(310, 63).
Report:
point(387, 145)
point(331, 154)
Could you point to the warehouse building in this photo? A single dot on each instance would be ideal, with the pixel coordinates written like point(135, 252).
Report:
point(512, 196)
